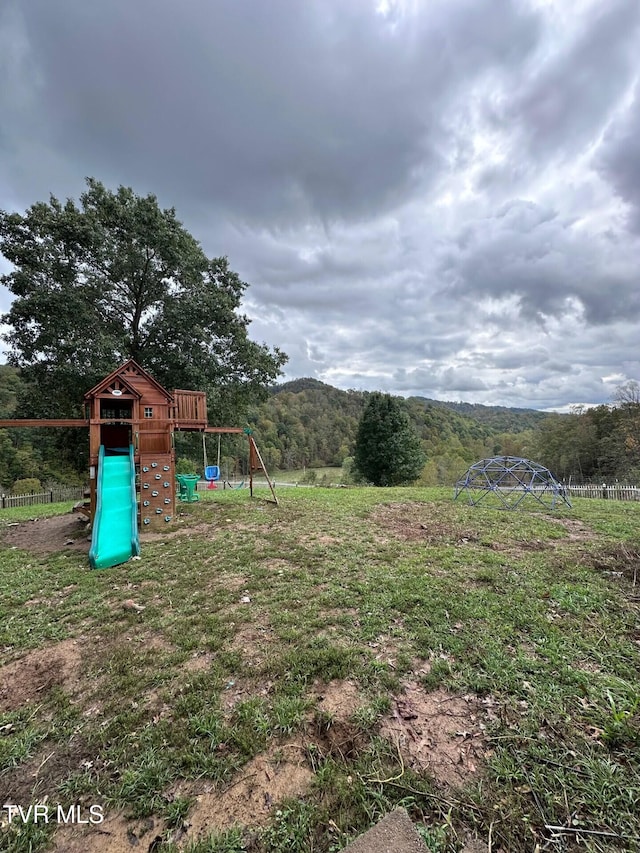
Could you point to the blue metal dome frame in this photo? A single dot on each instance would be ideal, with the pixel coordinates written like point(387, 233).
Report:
point(507, 481)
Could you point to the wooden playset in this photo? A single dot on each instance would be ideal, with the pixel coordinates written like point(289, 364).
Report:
point(132, 420)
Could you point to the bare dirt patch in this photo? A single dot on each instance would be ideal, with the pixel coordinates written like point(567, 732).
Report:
point(211, 529)
point(577, 530)
point(436, 732)
point(588, 666)
point(278, 774)
point(519, 547)
point(184, 530)
point(420, 522)
point(325, 539)
point(338, 699)
point(252, 639)
point(251, 527)
point(198, 662)
point(115, 834)
point(426, 522)
point(32, 676)
point(49, 535)
point(334, 731)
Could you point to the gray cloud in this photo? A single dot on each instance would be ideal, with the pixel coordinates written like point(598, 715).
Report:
point(532, 253)
point(573, 91)
point(279, 109)
point(439, 199)
point(619, 158)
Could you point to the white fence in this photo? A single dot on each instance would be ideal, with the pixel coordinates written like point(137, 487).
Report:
point(614, 493)
point(52, 496)
point(75, 493)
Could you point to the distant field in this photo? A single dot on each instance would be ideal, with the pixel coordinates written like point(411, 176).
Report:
point(275, 679)
point(296, 474)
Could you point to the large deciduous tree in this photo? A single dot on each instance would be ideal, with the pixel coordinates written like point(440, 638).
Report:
point(388, 451)
point(117, 277)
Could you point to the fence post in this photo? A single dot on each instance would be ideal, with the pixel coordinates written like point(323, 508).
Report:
point(604, 491)
point(51, 495)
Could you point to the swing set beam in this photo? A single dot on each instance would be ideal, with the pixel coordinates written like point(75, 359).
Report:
point(256, 463)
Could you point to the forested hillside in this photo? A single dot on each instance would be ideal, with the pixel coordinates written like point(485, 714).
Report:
point(306, 423)
point(498, 418)
point(50, 456)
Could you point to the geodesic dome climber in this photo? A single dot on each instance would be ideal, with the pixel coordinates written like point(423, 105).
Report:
point(506, 481)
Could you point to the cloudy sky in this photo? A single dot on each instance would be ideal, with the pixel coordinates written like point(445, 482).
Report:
point(434, 197)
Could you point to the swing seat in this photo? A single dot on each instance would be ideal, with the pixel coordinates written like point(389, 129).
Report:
point(212, 472)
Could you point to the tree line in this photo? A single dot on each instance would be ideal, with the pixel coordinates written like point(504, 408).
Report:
point(599, 444)
point(306, 423)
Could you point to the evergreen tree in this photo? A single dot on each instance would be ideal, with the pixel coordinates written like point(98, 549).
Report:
point(388, 451)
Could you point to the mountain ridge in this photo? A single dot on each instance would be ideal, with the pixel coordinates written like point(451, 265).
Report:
point(476, 411)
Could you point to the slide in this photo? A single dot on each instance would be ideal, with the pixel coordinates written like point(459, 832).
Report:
point(115, 539)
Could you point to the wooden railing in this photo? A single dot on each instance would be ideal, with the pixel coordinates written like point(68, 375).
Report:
point(189, 409)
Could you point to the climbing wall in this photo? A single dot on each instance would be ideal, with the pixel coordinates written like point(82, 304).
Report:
point(157, 491)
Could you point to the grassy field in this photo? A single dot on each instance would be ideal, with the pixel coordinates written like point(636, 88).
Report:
point(294, 475)
point(278, 678)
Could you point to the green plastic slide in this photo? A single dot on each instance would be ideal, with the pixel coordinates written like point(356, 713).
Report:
point(115, 525)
